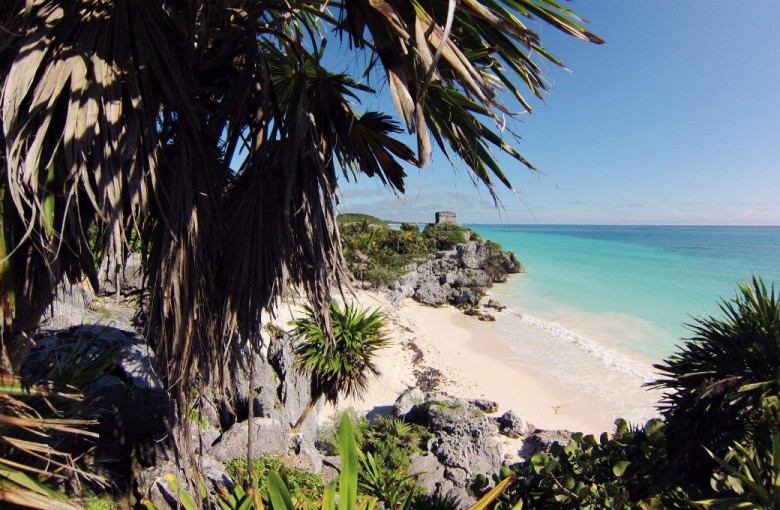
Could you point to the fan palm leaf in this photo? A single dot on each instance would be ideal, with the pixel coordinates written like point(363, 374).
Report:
point(219, 131)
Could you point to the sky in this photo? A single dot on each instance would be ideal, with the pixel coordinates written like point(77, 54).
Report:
point(674, 120)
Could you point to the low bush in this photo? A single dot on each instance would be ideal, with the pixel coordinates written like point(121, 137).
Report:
point(299, 481)
point(624, 471)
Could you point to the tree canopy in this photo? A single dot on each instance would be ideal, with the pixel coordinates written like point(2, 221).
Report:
point(218, 130)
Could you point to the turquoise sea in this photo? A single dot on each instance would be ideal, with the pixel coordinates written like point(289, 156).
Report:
point(600, 304)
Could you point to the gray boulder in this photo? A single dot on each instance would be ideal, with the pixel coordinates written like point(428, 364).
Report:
point(437, 478)
point(541, 440)
point(268, 436)
point(136, 414)
point(433, 293)
point(484, 405)
point(513, 425)
point(405, 406)
point(490, 258)
point(279, 392)
point(464, 444)
point(458, 276)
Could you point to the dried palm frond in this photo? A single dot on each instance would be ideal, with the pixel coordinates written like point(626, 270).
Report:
point(217, 130)
point(31, 429)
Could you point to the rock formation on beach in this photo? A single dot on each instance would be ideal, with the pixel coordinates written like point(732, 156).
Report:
point(460, 276)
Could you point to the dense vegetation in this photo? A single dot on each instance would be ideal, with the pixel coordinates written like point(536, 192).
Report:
point(378, 255)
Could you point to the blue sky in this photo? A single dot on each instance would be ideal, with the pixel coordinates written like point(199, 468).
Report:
point(674, 120)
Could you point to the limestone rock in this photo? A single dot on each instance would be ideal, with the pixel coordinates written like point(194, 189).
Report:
point(492, 303)
point(405, 406)
point(129, 277)
point(268, 436)
point(486, 317)
point(464, 444)
point(541, 440)
point(458, 276)
point(152, 483)
point(513, 425)
point(432, 293)
point(487, 406)
point(490, 258)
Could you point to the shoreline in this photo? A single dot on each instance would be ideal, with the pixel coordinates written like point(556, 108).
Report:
point(473, 364)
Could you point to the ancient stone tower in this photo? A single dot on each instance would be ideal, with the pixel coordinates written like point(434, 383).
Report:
point(443, 217)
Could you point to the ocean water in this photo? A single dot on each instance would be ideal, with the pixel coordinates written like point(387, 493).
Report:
point(600, 304)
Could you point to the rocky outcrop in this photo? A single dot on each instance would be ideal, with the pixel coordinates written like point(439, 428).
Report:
point(459, 277)
point(488, 257)
point(137, 417)
point(135, 413)
point(465, 444)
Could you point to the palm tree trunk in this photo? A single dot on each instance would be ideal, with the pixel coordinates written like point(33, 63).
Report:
point(305, 414)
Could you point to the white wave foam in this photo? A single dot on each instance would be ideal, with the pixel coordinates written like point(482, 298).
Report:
point(608, 357)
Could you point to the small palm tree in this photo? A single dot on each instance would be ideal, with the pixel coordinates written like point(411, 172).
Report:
point(343, 367)
point(716, 385)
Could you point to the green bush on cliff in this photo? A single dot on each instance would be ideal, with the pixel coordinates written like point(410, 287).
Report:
point(445, 236)
point(623, 471)
point(378, 254)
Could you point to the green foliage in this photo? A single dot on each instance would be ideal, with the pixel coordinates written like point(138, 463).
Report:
point(349, 218)
point(299, 481)
point(446, 235)
point(750, 475)
point(391, 486)
point(436, 502)
point(328, 441)
point(281, 498)
point(100, 503)
point(344, 366)
point(717, 383)
point(389, 440)
point(622, 471)
point(379, 255)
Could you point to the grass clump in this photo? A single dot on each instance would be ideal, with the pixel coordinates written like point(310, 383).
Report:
point(298, 480)
point(390, 440)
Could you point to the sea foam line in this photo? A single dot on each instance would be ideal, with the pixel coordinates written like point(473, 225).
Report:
point(606, 356)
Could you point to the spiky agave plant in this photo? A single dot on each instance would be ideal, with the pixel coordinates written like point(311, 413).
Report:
point(344, 367)
point(716, 385)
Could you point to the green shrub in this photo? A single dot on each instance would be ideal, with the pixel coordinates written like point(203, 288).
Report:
point(298, 480)
point(393, 441)
point(623, 471)
point(716, 385)
point(328, 441)
point(343, 364)
point(447, 235)
point(349, 218)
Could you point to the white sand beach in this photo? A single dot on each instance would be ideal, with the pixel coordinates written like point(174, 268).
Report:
point(472, 364)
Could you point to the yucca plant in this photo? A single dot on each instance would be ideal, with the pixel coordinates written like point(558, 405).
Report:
point(749, 475)
point(716, 384)
point(343, 367)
